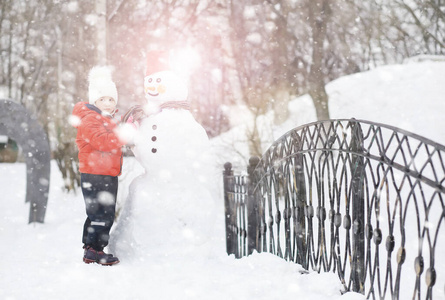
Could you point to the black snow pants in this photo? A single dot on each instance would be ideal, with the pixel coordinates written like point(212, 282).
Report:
point(99, 193)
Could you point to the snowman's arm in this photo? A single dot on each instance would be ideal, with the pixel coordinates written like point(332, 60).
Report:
point(134, 115)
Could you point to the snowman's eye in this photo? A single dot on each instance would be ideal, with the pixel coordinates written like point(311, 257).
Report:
point(158, 80)
point(150, 80)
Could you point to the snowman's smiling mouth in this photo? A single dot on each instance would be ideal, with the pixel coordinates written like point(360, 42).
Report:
point(153, 94)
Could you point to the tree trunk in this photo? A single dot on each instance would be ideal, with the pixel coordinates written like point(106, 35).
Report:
point(319, 13)
point(281, 103)
point(254, 140)
point(320, 99)
point(101, 11)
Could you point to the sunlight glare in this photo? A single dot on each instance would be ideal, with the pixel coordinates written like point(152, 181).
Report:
point(185, 61)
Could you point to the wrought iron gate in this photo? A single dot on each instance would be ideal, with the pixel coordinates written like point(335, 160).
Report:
point(361, 199)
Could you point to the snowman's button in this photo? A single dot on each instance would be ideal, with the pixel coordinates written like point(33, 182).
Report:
point(154, 150)
point(154, 127)
point(154, 138)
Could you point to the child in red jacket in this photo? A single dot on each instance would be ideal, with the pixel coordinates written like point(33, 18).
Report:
point(100, 163)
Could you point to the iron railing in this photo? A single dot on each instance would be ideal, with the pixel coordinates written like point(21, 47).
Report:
point(361, 199)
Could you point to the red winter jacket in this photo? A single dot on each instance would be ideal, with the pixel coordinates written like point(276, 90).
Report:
point(99, 147)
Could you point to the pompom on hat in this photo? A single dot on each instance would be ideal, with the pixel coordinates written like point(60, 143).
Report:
point(101, 84)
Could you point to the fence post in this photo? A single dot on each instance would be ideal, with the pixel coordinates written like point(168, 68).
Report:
point(252, 207)
point(358, 207)
point(228, 211)
point(299, 217)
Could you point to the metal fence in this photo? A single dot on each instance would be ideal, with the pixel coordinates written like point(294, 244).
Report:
point(360, 199)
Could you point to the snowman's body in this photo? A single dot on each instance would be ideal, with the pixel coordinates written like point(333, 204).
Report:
point(169, 146)
point(170, 202)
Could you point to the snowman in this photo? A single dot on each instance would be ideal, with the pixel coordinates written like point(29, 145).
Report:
point(170, 203)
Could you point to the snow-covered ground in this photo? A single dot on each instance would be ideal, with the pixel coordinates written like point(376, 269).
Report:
point(44, 261)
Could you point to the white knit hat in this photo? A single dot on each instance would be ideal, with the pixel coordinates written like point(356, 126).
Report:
point(101, 84)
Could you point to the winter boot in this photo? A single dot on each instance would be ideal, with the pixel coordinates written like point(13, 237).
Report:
point(86, 249)
point(93, 256)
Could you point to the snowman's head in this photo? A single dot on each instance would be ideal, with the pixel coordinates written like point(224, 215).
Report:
point(161, 84)
point(164, 86)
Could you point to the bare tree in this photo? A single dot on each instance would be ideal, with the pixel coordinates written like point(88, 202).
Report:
point(426, 19)
point(256, 53)
point(46, 60)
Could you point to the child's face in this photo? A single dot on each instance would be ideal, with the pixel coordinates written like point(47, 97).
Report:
point(106, 104)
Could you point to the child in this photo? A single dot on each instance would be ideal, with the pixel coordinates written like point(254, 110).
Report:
point(100, 163)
